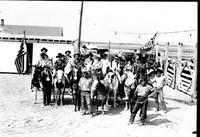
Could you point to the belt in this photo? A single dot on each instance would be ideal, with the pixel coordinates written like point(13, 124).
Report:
point(87, 91)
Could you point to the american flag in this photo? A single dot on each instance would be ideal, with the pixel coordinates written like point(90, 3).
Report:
point(20, 60)
point(149, 45)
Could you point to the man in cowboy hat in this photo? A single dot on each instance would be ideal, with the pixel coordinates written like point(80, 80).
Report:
point(97, 66)
point(59, 63)
point(76, 61)
point(88, 61)
point(115, 67)
point(44, 50)
point(158, 83)
point(67, 56)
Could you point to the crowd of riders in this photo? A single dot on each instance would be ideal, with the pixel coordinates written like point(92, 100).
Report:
point(142, 68)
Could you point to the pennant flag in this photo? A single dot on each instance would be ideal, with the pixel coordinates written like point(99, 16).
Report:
point(149, 45)
point(20, 61)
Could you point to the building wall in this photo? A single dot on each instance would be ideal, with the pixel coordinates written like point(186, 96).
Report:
point(53, 50)
point(8, 53)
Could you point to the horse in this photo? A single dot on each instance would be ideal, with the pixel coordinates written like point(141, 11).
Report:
point(76, 94)
point(113, 82)
point(35, 82)
point(129, 86)
point(99, 90)
point(46, 80)
point(59, 87)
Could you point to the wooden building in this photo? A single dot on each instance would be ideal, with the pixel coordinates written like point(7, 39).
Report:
point(37, 37)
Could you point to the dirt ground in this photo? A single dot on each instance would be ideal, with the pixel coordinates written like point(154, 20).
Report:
point(20, 117)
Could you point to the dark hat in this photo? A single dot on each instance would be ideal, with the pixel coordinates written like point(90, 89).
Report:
point(151, 71)
point(68, 51)
point(97, 56)
point(84, 47)
point(159, 70)
point(77, 54)
point(44, 49)
point(116, 57)
point(59, 55)
point(90, 54)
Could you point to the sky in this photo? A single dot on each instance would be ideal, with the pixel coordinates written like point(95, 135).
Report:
point(108, 21)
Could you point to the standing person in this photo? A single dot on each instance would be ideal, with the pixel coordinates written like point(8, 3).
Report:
point(85, 84)
point(142, 92)
point(158, 83)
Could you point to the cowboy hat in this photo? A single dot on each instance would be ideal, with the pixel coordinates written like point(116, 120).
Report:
point(97, 56)
point(150, 71)
point(116, 57)
point(68, 51)
point(77, 54)
point(84, 47)
point(44, 49)
point(59, 55)
point(159, 70)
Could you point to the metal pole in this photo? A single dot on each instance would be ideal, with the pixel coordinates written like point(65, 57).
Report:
point(80, 25)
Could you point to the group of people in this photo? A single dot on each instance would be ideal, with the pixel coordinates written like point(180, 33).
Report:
point(147, 76)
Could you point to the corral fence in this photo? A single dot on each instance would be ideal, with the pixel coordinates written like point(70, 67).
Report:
point(180, 64)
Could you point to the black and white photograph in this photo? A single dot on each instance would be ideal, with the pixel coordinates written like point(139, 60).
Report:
point(98, 68)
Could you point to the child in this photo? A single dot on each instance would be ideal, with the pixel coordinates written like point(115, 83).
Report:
point(142, 92)
point(158, 84)
point(85, 87)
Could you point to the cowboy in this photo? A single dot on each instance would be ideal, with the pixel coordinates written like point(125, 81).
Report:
point(85, 84)
point(97, 66)
point(88, 61)
point(106, 64)
point(44, 61)
point(76, 61)
point(59, 64)
point(142, 92)
point(115, 67)
point(44, 50)
point(158, 83)
point(67, 56)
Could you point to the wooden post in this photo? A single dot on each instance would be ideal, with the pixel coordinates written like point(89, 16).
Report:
point(178, 61)
point(77, 47)
point(157, 49)
point(166, 58)
point(194, 78)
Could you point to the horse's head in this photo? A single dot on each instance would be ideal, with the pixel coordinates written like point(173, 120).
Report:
point(109, 77)
point(59, 76)
point(46, 74)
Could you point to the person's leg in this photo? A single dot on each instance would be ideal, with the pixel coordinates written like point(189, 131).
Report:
point(88, 101)
point(134, 112)
point(143, 112)
point(82, 102)
point(161, 95)
point(156, 101)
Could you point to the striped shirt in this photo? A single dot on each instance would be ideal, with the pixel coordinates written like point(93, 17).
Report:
point(85, 84)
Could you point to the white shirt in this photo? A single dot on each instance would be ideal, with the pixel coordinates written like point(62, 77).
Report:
point(106, 64)
point(159, 81)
